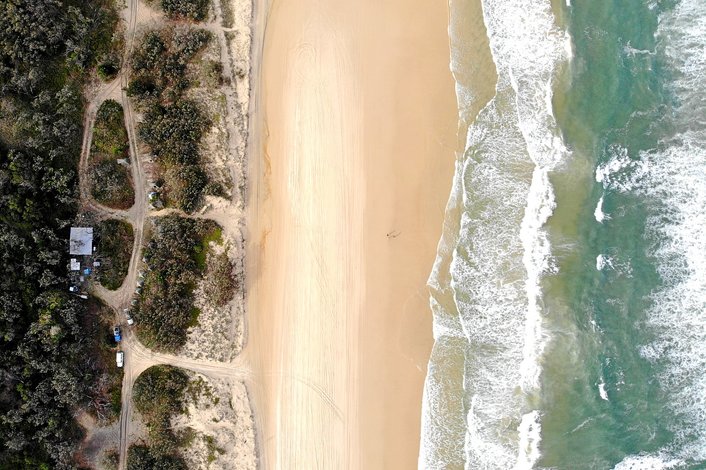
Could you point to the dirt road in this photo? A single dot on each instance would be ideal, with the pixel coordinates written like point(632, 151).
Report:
point(137, 357)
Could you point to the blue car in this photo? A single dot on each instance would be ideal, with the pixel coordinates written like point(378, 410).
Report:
point(116, 334)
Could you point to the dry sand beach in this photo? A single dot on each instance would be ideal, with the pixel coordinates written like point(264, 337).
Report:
point(347, 199)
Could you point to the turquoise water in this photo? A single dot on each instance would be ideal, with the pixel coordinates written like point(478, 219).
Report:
point(571, 274)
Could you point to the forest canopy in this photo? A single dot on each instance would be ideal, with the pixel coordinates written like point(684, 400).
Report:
point(47, 47)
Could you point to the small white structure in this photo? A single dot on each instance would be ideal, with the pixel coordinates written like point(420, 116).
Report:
point(75, 265)
point(81, 241)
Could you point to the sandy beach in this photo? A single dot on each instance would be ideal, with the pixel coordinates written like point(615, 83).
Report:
point(350, 172)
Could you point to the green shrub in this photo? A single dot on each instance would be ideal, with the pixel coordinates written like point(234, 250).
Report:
point(109, 133)
point(142, 88)
point(139, 457)
point(111, 184)
point(158, 396)
point(174, 131)
point(158, 391)
point(160, 60)
point(105, 394)
point(220, 282)
point(185, 186)
point(164, 312)
point(115, 240)
point(108, 69)
point(173, 125)
point(187, 9)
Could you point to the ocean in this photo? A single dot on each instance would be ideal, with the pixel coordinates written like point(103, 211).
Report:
point(569, 288)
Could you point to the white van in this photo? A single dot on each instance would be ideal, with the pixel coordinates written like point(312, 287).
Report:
point(120, 358)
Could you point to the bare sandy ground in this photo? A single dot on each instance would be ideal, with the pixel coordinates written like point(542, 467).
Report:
point(219, 416)
point(346, 209)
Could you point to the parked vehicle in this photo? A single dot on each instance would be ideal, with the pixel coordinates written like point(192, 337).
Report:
point(120, 358)
point(128, 316)
point(116, 334)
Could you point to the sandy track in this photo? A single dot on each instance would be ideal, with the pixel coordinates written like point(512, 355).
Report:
point(137, 357)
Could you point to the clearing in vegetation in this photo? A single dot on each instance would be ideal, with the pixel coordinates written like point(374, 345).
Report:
point(115, 239)
point(111, 183)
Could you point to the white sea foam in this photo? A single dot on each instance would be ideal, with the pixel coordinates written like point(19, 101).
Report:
point(603, 261)
point(599, 214)
point(602, 391)
point(513, 147)
point(537, 261)
point(647, 462)
point(530, 432)
point(631, 51)
point(672, 180)
point(506, 199)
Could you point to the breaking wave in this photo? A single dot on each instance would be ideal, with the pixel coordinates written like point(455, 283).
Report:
point(486, 281)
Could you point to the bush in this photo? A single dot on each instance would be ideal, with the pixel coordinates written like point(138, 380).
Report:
point(160, 60)
point(115, 239)
point(185, 9)
point(173, 126)
point(111, 184)
point(220, 282)
point(158, 391)
point(108, 69)
point(164, 313)
point(142, 88)
point(105, 394)
point(140, 458)
point(185, 186)
point(158, 395)
point(173, 132)
point(109, 133)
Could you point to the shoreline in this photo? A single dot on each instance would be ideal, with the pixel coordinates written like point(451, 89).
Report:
point(349, 166)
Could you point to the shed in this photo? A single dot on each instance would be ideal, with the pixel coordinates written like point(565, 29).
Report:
point(81, 241)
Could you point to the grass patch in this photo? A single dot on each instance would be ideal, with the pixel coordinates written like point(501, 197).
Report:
point(115, 246)
point(111, 182)
point(212, 449)
point(201, 250)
